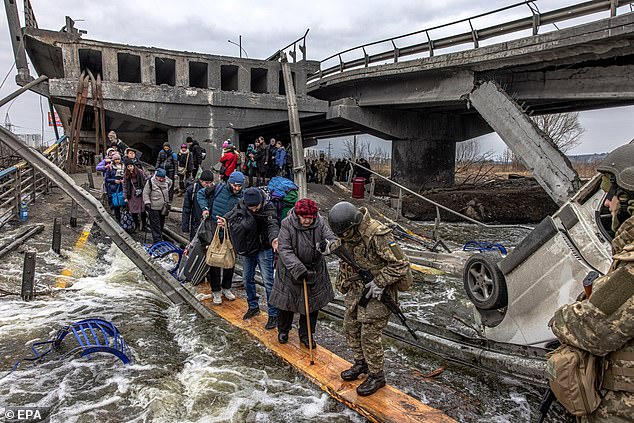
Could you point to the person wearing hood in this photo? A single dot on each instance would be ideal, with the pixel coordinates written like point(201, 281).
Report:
point(168, 160)
point(300, 260)
point(155, 197)
point(254, 229)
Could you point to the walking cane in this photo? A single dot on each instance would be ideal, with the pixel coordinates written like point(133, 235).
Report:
point(310, 335)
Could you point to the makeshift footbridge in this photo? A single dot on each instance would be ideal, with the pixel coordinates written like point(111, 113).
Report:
point(389, 404)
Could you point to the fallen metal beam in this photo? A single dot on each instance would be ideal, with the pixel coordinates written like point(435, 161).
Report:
point(19, 91)
point(532, 146)
point(132, 249)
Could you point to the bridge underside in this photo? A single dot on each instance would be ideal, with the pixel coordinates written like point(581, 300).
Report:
point(427, 105)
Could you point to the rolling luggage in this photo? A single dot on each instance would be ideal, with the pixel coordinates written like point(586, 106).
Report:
point(194, 268)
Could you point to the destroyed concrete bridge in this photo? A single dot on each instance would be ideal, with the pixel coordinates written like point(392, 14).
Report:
point(425, 105)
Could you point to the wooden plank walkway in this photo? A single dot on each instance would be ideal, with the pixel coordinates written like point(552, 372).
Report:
point(386, 405)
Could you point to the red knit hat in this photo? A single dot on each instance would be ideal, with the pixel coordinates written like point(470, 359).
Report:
point(306, 208)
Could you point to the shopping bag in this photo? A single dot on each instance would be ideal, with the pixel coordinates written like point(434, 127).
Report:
point(221, 253)
point(127, 222)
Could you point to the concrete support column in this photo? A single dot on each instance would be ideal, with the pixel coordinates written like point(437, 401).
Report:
point(273, 79)
point(182, 72)
point(214, 80)
point(423, 144)
point(244, 78)
point(70, 57)
point(421, 164)
point(109, 65)
point(148, 73)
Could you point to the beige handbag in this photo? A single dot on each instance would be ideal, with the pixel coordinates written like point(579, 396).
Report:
point(221, 253)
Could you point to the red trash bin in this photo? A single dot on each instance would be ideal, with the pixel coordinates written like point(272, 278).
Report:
point(358, 187)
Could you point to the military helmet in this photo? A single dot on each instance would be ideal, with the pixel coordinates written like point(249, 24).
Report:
point(343, 216)
point(620, 163)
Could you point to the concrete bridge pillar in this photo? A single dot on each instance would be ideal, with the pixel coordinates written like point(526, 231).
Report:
point(423, 163)
point(423, 144)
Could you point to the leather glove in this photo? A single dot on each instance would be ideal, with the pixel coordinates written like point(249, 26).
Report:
point(147, 207)
point(374, 291)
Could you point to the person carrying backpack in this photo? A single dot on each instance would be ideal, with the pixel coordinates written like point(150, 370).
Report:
point(192, 213)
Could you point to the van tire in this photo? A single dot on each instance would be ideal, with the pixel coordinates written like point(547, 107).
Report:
point(484, 282)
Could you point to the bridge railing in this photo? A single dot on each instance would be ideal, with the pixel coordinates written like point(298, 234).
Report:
point(22, 182)
point(474, 36)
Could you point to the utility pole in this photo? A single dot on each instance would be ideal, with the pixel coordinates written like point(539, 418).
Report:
point(297, 147)
point(329, 151)
point(354, 148)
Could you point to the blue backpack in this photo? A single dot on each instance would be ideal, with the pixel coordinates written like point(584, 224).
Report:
point(283, 194)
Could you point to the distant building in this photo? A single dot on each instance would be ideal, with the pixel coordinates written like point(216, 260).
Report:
point(32, 140)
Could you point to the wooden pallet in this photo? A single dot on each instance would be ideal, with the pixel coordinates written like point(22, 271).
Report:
point(386, 405)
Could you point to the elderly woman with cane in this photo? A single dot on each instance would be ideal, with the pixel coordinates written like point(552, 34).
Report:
point(302, 284)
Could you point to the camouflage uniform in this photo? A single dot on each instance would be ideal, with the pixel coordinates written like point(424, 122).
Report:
point(604, 326)
point(373, 247)
point(322, 170)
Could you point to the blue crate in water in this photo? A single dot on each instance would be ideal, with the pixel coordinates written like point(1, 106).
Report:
point(162, 249)
point(92, 336)
point(484, 246)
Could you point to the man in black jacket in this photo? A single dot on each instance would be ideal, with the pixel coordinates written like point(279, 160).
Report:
point(192, 213)
point(253, 216)
point(197, 154)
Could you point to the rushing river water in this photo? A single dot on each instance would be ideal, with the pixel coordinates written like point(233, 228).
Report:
point(187, 369)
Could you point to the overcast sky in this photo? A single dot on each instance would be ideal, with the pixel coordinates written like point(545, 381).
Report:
point(205, 26)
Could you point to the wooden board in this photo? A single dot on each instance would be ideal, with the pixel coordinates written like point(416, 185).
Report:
point(386, 405)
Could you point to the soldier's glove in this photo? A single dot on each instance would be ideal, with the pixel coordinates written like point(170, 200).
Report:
point(373, 291)
point(326, 246)
point(366, 275)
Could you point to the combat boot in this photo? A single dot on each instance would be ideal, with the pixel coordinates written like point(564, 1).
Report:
point(373, 383)
point(353, 373)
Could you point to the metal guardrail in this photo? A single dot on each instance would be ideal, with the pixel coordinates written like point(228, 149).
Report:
point(438, 206)
point(474, 35)
point(23, 182)
point(293, 53)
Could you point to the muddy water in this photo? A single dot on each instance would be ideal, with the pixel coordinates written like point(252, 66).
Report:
point(189, 370)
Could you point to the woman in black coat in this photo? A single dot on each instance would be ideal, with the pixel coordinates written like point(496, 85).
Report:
point(299, 260)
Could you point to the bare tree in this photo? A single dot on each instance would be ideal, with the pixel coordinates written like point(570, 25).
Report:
point(363, 148)
point(563, 128)
point(473, 166)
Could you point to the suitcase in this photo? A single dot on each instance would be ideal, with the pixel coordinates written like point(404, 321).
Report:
point(194, 267)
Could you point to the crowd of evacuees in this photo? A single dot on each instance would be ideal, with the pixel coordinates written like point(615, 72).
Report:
point(231, 199)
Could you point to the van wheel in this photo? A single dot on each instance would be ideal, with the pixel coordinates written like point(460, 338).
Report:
point(484, 283)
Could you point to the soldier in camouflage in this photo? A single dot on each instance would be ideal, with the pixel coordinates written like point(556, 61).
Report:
point(373, 248)
point(604, 324)
point(322, 169)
